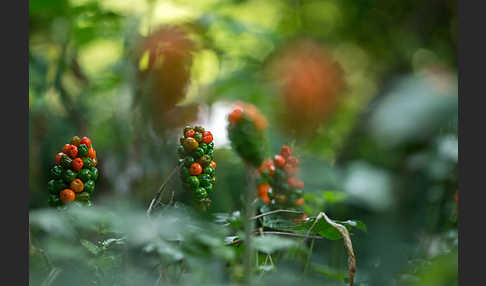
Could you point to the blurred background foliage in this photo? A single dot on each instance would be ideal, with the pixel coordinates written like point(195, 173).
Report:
point(365, 92)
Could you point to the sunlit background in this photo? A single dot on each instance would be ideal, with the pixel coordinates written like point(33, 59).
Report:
point(364, 91)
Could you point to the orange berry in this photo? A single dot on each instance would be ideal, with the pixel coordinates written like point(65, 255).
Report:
point(58, 157)
point(195, 169)
point(92, 153)
point(292, 161)
point(286, 151)
point(263, 193)
point(72, 151)
point(299, 202)
point(189, 133)
point(77, 164)
point(279, 161)
point(295, 183)
point(65, 148)
point(235, 115)
point(212, 164)
point(77, 185)
point(67, 196)
point(86, 141)
point(94, 162)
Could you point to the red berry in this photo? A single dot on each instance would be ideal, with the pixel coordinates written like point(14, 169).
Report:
point(295, 183)
point(263, 193)
point(86, 141)
point(235, 115)
point(195, 169)
point(72, 151)
point(77, 164)
point(299, 202)
point(286, 151)
point(212, 164)
point(58, 157)
point(67, 196)
point(65, 148)
point(279, 161)
point(207, 137)
point(190, 133)
point(292, 161)
point(92, 153)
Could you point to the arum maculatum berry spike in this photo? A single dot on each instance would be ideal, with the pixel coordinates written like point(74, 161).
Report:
point(246, 130)
point(278, 184)
point(196, 156)
point(74, 175)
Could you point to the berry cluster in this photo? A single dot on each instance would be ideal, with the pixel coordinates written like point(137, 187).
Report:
point(278, 185)
point(196, 154)
point(246, 131)
point(74, 175)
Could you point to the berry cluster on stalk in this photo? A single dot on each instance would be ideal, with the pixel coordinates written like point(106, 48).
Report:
point(196, 154)
point(246, 130)
point(278, 184)
point(74, 175)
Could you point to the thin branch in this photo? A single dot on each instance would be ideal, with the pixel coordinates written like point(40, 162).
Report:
point(274, 212)
point(292, 234)
point(161, 189)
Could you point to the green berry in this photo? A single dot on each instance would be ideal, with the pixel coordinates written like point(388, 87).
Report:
point(199, 129)
point(210, 153)
point(66, 162)
point(193, 181)
point(56, 172)
point(94, 173)
point(198, 136)
point(204, 146)
point(82, 150)
point(60, 185)
point(181, 151)
point(89, 186)
point(209, 188)
point(205, 160)
point(211, 145)
point(68, 176)
point(208, 170)
point(198, 152)
point(201, 193)
point(188, 160)
point(204, 180)
point(54, 200)
point(84, 175)
point(83, 197)
point(51, 187)
point(87, 162)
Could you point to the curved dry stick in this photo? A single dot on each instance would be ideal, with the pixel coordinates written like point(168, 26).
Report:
point(347, 243)
point(161, 189)
point(276, 211)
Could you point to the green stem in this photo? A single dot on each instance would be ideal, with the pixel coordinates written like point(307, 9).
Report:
point(309, 257)
point(249, 225)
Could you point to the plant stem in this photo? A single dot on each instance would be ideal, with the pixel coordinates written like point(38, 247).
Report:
point(276, 211)
point(248, 225)
point(309, 257)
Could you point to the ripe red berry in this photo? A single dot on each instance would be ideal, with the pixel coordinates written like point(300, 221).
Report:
point(286, 151)
point(195, 169)
point(86, 141)
point(92, 153)
point(292, 161)
point(299, 202)
point(77, 164)
point(263, 193)
point(190, 133)
point(72, 151)
point(207, 137)
point(295, 183)
point(279, 161)
point(235, 115)
point(65, 148)
point(58, 157)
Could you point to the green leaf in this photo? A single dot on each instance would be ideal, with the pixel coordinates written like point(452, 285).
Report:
point(271, 243)
point(91, 247)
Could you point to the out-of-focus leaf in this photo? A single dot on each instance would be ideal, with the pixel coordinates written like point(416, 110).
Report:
point(91, 247)
point(271, 243)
